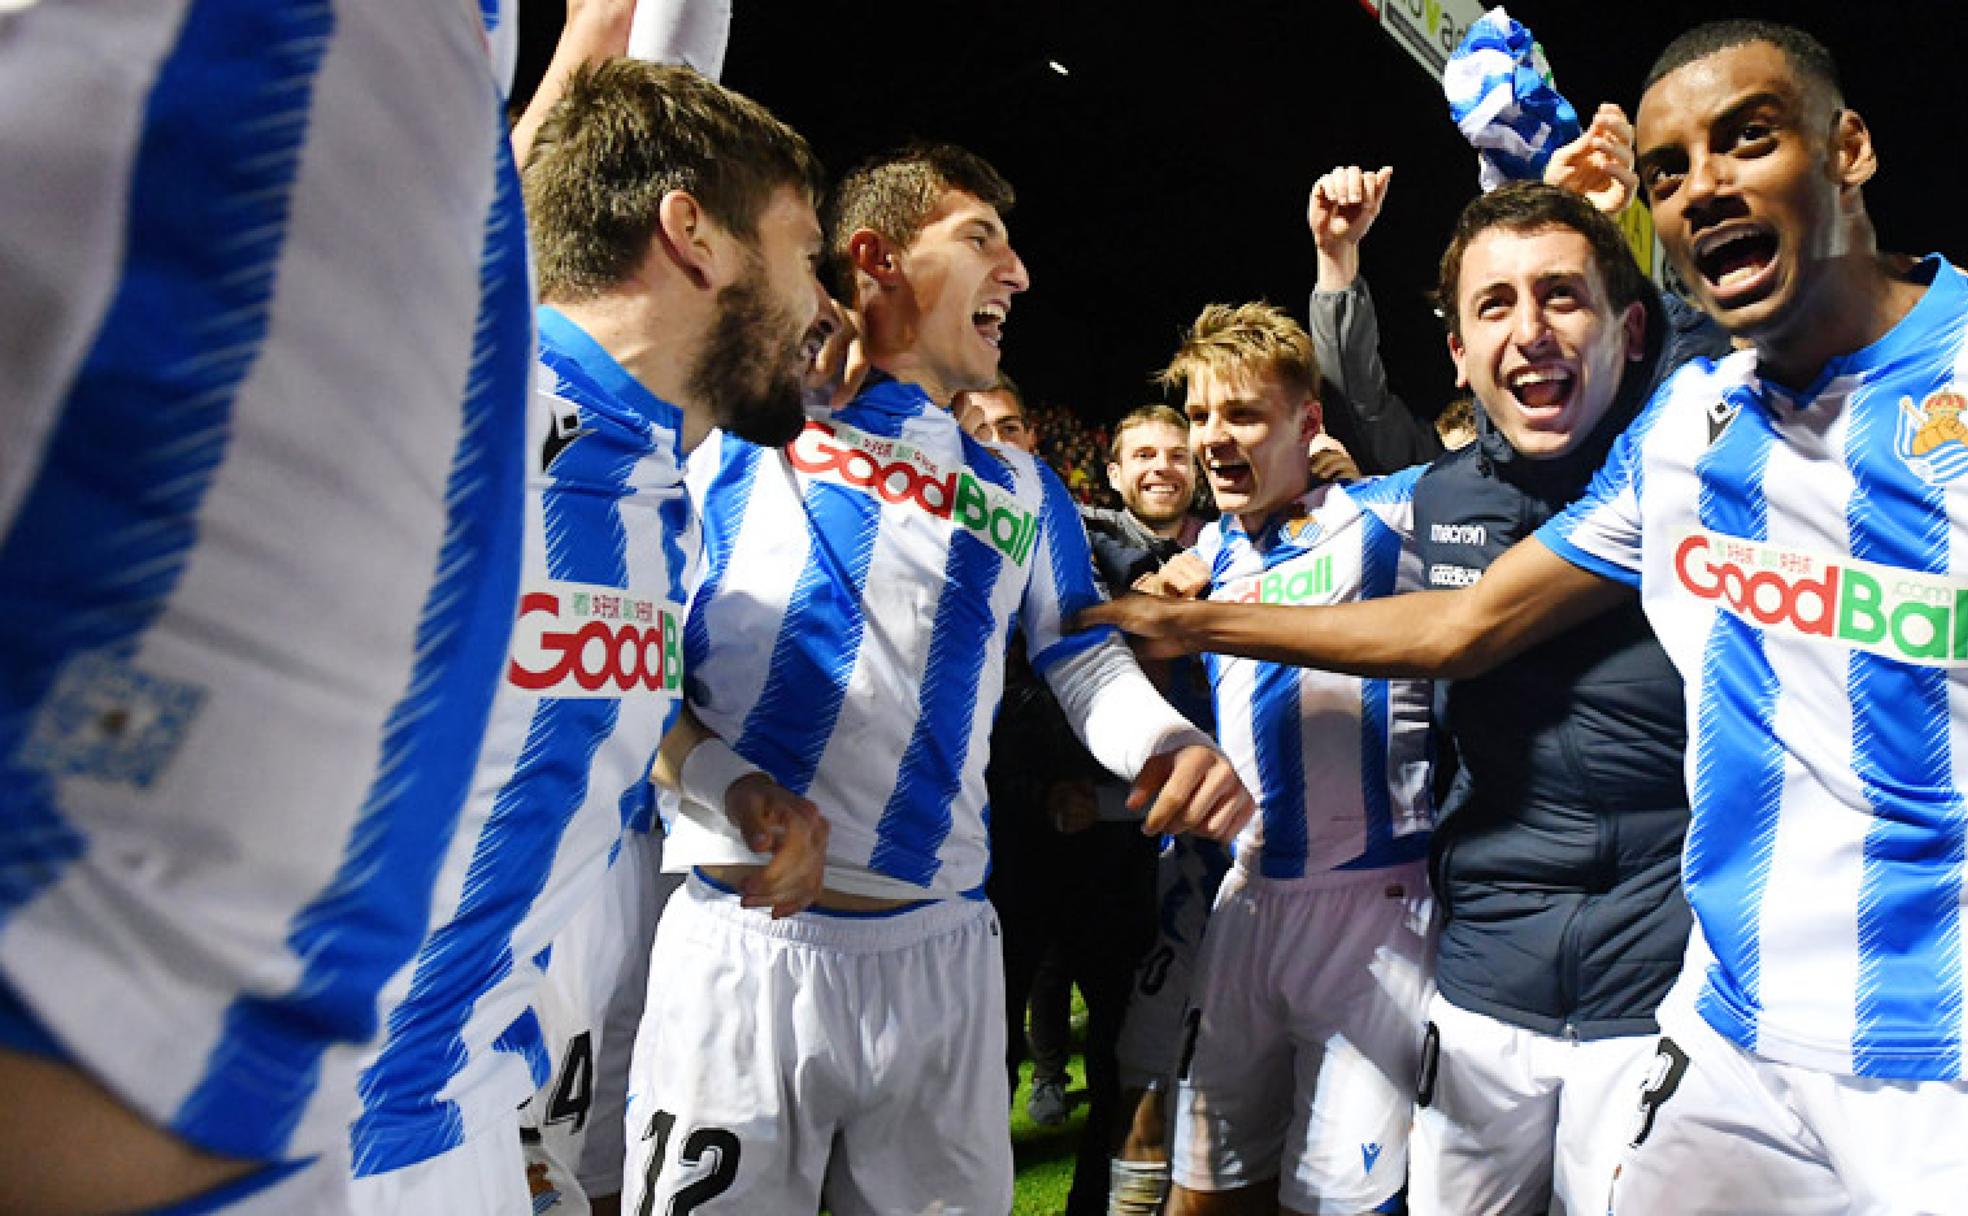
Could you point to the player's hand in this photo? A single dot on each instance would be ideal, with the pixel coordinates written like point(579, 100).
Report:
point(1599, 163)
point(1194, 790)
point(839, 362)
point(1344, 205)
point(1072, 806)
point(1185, 576)
point(774, 820)
point(1330, 461)
point(1154, 623)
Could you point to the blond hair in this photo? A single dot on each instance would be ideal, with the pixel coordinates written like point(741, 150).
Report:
point(1245, 340)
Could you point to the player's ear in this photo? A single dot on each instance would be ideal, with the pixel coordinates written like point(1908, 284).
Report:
point(1458, 354)
point(1854, 159)
point(683, 230)
point(1633, 324)
point(874, 255)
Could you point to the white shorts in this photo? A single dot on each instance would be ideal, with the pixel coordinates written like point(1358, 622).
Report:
point(589, 1008)
point(1186, 878)
point(486, 1175)
point(1719, 1130)
point(1307, 1028)
point(859, 1059)
point(1519, 1122)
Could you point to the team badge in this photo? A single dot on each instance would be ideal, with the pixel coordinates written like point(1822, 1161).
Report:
point(1932, 438)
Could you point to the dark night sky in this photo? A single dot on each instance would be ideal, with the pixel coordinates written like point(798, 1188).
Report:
point(1171, 168)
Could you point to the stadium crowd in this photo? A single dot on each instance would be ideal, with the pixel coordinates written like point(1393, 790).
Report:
point(630, 730)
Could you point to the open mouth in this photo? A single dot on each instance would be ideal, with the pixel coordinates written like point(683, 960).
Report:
point(1542, 390)
point(1735, 260)
point(989, 322)
point(1229, 475)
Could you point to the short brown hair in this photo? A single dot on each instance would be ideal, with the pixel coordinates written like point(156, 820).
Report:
point(1531, 207)
point(896, 193)
point(1143, 416)
point(625, 134)
point(1245, 339)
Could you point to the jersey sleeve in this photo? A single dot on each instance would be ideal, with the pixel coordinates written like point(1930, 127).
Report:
point(1390, 499)
point(1062, 580)
point(1601, 531)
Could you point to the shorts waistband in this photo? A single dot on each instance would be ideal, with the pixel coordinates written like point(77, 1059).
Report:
point(851, 932)
point(1411, 874)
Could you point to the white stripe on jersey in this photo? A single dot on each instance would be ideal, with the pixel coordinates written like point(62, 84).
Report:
point(594, 680)
point(271, 526)
point(1798, 556)
point(1339, 765)
point(849, 634)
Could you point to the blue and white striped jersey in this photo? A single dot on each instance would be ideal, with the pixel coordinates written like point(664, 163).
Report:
point(258, 531)
point(1804, 560)
point(848, 637)
point(1339, 765)
point(593, 680)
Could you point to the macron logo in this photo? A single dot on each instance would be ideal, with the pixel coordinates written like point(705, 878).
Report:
point(1369, 1153)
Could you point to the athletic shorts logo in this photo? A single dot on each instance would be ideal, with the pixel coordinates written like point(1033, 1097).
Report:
point(579, 640)
point(1902, 614)
point(1932, 438)
point(899, 473)
point(1291, 583)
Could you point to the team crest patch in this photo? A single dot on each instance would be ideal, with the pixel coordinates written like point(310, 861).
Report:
point(1932, 438)
point(1301, 530)
point(106, 719)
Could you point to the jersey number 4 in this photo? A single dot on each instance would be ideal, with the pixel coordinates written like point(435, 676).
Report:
point(573, 1092)
point(703, 1142)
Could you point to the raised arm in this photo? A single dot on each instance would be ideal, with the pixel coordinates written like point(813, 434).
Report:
point(1528, 595)
point(1345, 332)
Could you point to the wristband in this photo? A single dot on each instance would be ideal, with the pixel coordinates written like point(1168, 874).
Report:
point(709, 772)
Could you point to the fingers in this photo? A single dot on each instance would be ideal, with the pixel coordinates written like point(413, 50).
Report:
point(1199, 792)
point(841, 362)
point(775, 821)
point(1185, 576)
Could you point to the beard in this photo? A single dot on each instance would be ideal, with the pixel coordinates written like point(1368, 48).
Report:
point(748, 374)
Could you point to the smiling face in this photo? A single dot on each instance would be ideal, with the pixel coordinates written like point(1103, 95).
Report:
point(962, 272)
point(1154, 474)
point(1541, 344)
point(1745, 161)
point(1250, 432)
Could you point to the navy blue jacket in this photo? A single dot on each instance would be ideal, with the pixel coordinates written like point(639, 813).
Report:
point(1557, 855)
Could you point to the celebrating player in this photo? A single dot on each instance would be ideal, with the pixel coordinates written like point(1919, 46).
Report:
point(694, 316)
point(1785, 514)
point(849, 639)
point(1297, 1079)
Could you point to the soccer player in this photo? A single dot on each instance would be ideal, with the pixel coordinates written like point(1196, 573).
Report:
point(1296, 1090)
point(1785, 514)
point(848, 638)
point(267, 365)
point(694, 316)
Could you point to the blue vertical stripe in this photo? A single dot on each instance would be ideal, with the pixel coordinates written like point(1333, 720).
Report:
point(403, 1119)
point(819, 639)
point(1737, 787)
point(1380, 565)
point(722, 513)
point(106, 529)
point(373, 914)
point(1909, 915)
point(916, 820)
point(1277, 731)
